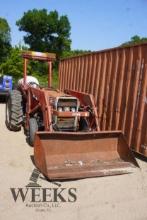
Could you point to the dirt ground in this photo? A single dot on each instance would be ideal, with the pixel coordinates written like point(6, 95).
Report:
point(116, 197)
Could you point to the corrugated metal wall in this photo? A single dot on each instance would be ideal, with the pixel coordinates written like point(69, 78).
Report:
point(118, 80)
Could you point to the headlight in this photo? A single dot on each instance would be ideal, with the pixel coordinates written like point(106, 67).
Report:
point(66, 109)
point(73, 109)
point(60, 109)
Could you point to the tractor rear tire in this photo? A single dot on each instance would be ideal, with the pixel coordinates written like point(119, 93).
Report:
point(33, 127)
point(14, 111)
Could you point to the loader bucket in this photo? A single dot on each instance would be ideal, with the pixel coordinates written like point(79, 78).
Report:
point(69, 155)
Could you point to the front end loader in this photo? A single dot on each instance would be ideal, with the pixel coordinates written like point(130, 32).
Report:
point(64, 129)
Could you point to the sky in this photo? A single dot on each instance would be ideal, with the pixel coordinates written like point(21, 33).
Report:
point(95, 24)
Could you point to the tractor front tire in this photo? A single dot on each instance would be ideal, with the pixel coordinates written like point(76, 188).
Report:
point(33, 127)
point(14, 111)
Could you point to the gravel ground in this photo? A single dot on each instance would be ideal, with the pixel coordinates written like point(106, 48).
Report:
point(115, 197)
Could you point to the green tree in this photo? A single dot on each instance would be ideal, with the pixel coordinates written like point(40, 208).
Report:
point(5, 39)
point(72, 53)
point(135, 40)
point(13, 65)
point(45, 31)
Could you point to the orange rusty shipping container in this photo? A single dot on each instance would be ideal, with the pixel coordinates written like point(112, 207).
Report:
point(118, 80)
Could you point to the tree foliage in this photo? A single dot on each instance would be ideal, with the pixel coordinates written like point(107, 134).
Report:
point(13, 65)
point(5, 39)
point(72, 53)
point(45, 31)
point(135, 40)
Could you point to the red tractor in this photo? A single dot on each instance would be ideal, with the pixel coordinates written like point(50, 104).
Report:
point(64, 130)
